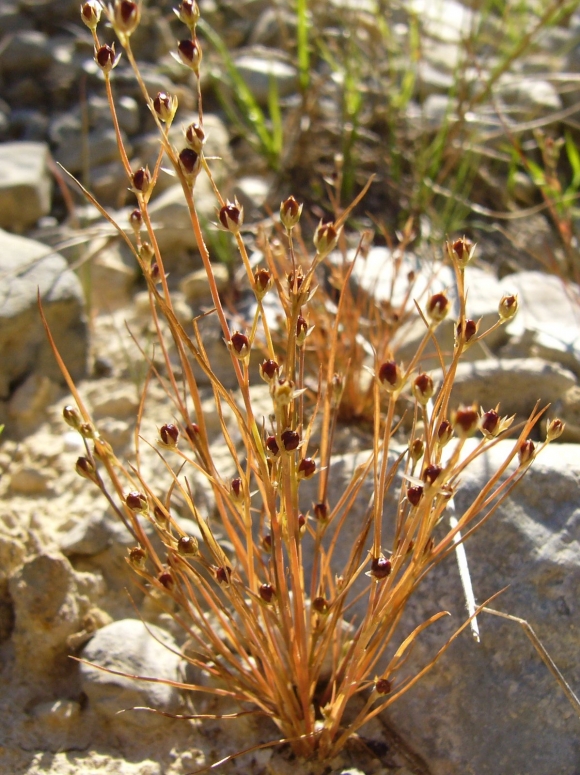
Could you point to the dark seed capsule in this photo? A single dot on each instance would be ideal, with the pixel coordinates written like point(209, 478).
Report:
point(269, 370)
point(267, 593)
point(190, 53)
point(444, 432)
point(306, 468)
point(105, 58)
point(187, 545)
point(190, 163)
point(321, 511)
point(526, 452)
point(231, 216)
point(72, 417)
point(267, 542)
point(166, 579)
point(86, 469)
point(321, 605)
point(290, 440)
point(195, 137)
point(437, 307)
point(136, 501)
point(169, 434)
point(466, 422)
point(127, 15)
point(301, 523)
point(380, 568)
point(414, 494)
point(237, 489)
point(301, 330)
point(468, 330)
point(432, 473)
point(262, 282)
point(136, 220)
point(223, 575)
point(161, 516)
point(416, 449)
point(142, 180)
point(290, 212)
point(383, 686)
point(91, 13)
point(137, 556)
point(390, 376)
point(423, 388)
point(240, 344)
point(272, 446)
point(490, 422)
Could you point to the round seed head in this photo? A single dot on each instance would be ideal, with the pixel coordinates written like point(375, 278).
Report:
point(290, 440)
point(437, 307)
point(262, 282)
point(461, 251)
point(321, 606)
point(240, 345)
point(414, 494)
point(136, 221)
point(195, 137)
point(188, 545)
point(188, 13)
point(290, 212)
point(490, 423)
point(444, 433)
point(231, 216)
point(390, 376)
point(190, 164)
point(295, 280)
point(321, 511)
point(272, 446)
point(86, 469)
point(136, 501)
point(223, 575)
point(160, 516)
point(166, 579)
point(383, 686)
point(431, 474)
point(325, 238)
point(526, 453)
point(306, 468)
point(137, 556)
point(269, 370)
point(555, 429)
point(169, 434)
point(105, 58)
point(465, 422)
point(91, 14)
point(146, 254)
point(423, 388)
point(508, 306)
point(466, 331)
point(267, 593)
point(165, 105)
point(416, 449)
point(301, 524)
point(72, 417)
point(380, 568)
point(142, 180)
point(237, 490)
point(189, 52)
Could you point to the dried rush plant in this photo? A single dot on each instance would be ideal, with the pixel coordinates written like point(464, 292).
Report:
point(260, 595)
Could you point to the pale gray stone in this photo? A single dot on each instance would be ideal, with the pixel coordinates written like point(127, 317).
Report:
point(28, 268)
point(26, 51)
point(492, 707)
point(25, 184)
point(195, 286)
point(48, 609)
point(516, 385)
point(128, 646)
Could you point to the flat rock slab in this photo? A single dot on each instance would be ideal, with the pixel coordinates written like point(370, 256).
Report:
point(25, 185)
point(26, 269)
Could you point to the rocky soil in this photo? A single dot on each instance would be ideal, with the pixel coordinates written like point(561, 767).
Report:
point(65, 590)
